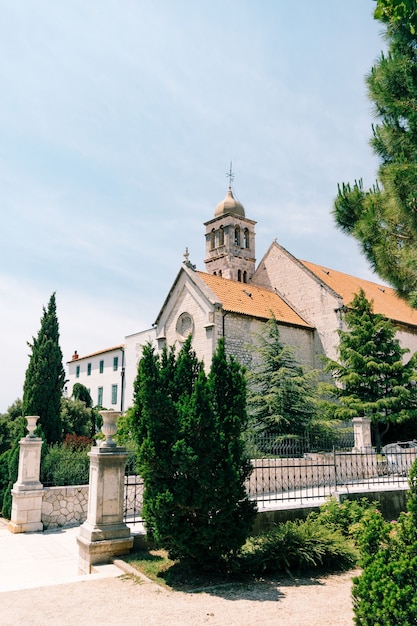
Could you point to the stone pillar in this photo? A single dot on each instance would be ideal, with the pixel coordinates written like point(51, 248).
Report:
point(104, 535)
point(362, 434)
point(27, 492)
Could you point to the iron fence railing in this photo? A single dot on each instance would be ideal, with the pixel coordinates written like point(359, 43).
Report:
point(133, 493)
point(305, 469)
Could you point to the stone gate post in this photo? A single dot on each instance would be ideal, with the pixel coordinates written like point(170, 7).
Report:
point(362, 434)
point(27, 492)
point(104, 535)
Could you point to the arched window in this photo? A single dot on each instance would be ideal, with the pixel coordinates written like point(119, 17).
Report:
point(237, 236)
point(246, 238)
point(245, 277)
point(213, 239)
point(239, 275)
point(214, 273)
point(221, 236)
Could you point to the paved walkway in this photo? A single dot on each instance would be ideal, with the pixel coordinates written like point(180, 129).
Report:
point(29, 560)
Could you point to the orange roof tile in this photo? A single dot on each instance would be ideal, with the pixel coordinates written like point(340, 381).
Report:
point(385, 300)
point(89, 356)
point(248, 299)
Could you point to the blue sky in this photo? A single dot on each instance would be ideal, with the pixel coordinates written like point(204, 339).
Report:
point(118, 121)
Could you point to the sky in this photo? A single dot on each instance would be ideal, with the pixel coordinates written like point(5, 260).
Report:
point(118, 123)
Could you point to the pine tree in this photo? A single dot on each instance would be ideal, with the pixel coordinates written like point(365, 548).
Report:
point(191, 456)
point(45, 376)
point(282, 394)
point(373, 380)
point(384, 218)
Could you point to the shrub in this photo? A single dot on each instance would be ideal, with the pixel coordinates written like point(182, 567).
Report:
point(343, 516)
point(385, 593)
point(65, 465)
point(297, 546)
point(78, 442)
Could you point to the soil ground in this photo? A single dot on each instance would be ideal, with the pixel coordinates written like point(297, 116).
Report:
point(126, 600)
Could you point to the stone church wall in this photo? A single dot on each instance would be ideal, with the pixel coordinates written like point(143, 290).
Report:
point(315, 303)
point(242, 333)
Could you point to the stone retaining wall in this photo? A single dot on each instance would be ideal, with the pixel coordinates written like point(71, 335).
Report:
point(64, 506)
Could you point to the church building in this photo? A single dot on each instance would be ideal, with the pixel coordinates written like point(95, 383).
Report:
point(233, 298)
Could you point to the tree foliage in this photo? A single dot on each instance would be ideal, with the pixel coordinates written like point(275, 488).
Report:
point(395, 11)
point(384, 218)
point(76, 418)
point(191, 455)
point(80, 392)
point(11, 424)
point(281, 394)
point(373, 380)
point(45, 376)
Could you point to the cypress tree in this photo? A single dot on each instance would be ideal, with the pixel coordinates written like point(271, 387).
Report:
point(191, 454)
point(155, 428)
point(45, 376)
point(234, 512)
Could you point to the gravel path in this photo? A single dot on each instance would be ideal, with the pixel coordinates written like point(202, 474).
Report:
point(121, 601)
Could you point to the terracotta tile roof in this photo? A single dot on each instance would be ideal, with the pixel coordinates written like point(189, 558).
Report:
point(384, 298)
point(248, 299)
point(89, 356)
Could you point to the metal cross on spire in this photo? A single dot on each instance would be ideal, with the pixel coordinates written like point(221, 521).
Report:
point(230, 175)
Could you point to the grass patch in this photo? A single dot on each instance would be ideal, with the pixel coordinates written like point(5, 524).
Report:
point(152, 563)
point(158, 567)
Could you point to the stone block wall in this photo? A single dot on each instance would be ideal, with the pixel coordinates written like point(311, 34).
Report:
point(64, 506)
point(242, 334)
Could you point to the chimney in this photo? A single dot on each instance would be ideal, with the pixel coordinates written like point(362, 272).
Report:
point(75, 355)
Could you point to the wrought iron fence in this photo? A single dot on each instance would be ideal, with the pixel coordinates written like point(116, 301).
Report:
point(133, 495)
point(290, 470)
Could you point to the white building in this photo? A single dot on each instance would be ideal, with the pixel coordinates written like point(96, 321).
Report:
point(103, 374)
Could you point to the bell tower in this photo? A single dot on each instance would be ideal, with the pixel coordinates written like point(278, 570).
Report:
point(230, 240)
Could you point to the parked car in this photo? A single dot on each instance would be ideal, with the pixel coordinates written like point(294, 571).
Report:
point(400, 456)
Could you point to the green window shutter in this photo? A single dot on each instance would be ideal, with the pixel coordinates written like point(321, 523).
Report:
point(114, 394)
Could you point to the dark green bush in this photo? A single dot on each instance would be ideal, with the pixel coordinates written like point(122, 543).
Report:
point(385, 593)
point(4, 476)
point(297, 546)
point(343, 516)
point(13, 469)
point(65, 465)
